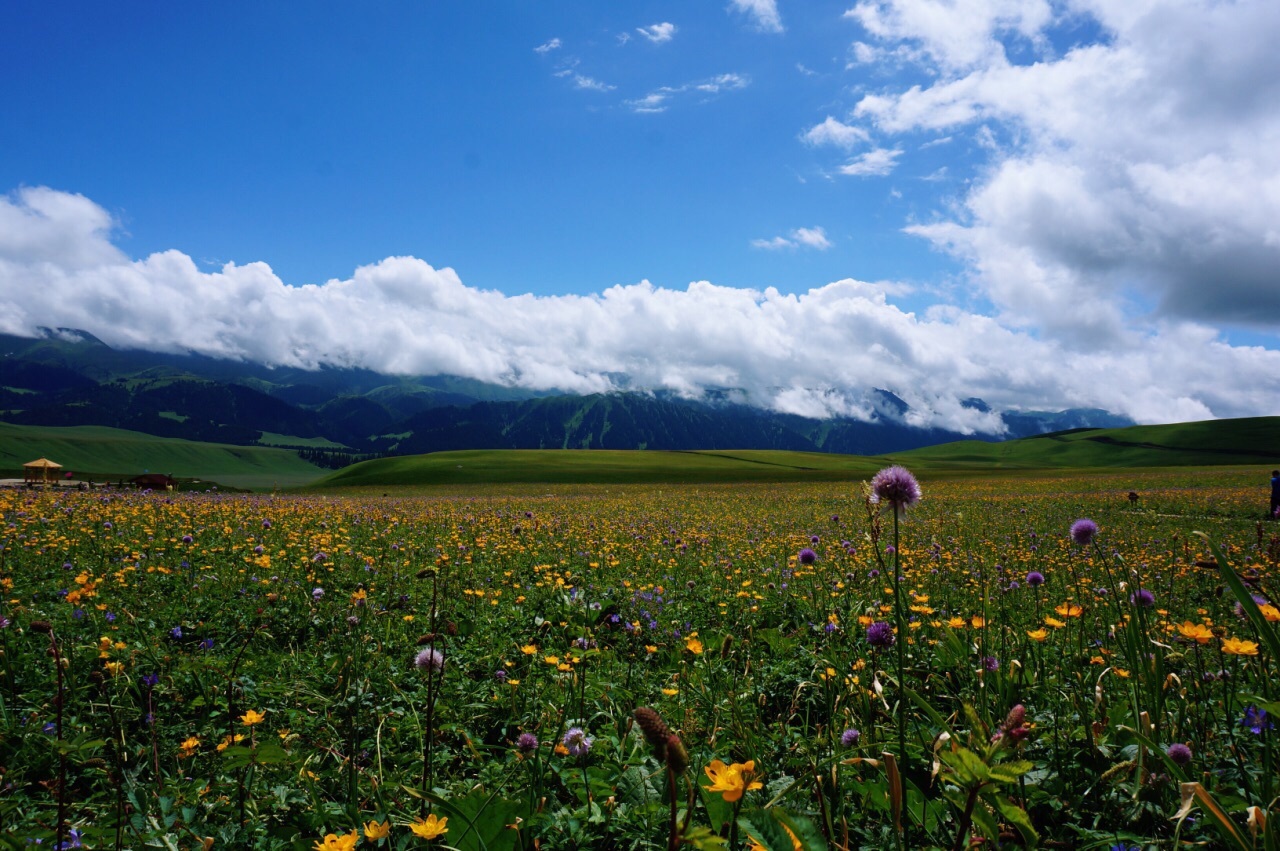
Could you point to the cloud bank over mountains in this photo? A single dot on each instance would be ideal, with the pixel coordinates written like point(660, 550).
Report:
point(815, 353)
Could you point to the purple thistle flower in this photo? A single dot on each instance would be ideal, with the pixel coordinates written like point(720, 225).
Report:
point(526, 743)
point(807, 556)
point(430, 659)
point(1179, 753)
point(1035, 579)
point(880, 634)
point(850, 737)
point(1083, 531)
point(577, 742)
point(896, 486)
point(317, 593)
point(1143, 598)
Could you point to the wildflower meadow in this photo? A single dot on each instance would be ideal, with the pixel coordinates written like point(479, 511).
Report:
point(1031, 661)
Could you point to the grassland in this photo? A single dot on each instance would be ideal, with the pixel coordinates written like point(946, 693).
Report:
point(109, 453)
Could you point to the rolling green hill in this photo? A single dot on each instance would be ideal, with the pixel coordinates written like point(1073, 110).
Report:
point(1251, 440)
point(1210, 443)
point(102, 453)
point(600, 466)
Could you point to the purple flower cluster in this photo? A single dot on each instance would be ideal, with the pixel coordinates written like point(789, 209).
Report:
point(577, 742)
point(880, 634)
point(1083, 531)
point(850, 737)
point(896, 486)
point(429, 659)
point(1035, 579)
point(807, 556)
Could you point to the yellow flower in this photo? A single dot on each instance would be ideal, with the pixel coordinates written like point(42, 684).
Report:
point(651, 648)
point(1239, 647)
point(1039, 635)
point(529, 649)
point(115, 669)
point(374, 831)
point(1069, 610)
point(977, 621)
point(430, 828)
point(669, 692)
point(1055, 623)
point(1197, 632)
point(1271, 613)
point(252, 717)
point(693, 645)
point(957, 623)
point(732, 780)
point(333, 842)
point(552, 660)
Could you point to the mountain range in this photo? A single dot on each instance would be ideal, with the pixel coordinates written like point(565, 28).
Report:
point(67, 377)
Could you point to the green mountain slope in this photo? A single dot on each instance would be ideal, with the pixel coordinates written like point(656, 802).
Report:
point(1251, 440)
point(114, 453)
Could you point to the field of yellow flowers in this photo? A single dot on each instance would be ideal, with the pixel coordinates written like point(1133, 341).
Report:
point(1034, 661)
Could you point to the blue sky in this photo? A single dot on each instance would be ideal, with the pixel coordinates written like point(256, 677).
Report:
point(322, 140)
point(1000, 187)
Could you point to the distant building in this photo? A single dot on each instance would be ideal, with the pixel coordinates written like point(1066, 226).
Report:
point(154, 480)
point(40, 470)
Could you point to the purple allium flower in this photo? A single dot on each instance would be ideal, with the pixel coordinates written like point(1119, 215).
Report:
point(896, 486)
point(1035, 579)
point(526, 743)
point(430, 659)
point(880, 634)
point(1143, 598)
point(187, 539)
point(353, 620)
point(317, 593)
point(1256, 720)
point(850, 737)
point(577, 742)
point(1179, 753)
point(1083, 531)
point(991, 664)
point(808, 556)
point(873, 573)
point(266, 524)
point(500, 675)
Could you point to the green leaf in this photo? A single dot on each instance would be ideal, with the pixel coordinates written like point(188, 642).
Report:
point(1017, 816)
point(703, 839)
point(719, 811)
point(967, 767)
point(478, 821)
point(804, 828)
point(762, 827)
point(1008, 772)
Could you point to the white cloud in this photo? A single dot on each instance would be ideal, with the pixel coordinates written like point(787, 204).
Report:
point(1139, 170)
point(816, 352)
point(815, 237)
point(547, 47)
point(834, 132)
point(659, 99)
point(875, 163)
point(581, 81)
point(957, 34)
point(763, 12)
point(658, 33)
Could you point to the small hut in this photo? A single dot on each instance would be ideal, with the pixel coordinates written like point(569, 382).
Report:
point(40, 470)
point(154, 480)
